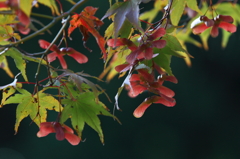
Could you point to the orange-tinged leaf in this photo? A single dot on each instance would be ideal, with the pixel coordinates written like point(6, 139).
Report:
point(88, 23)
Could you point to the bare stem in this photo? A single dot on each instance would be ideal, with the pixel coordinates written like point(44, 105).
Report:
point(42, 15)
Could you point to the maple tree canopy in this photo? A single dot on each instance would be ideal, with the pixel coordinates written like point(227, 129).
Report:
point(137, 46)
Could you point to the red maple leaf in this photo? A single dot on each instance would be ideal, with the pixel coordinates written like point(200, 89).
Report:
point(88, 23)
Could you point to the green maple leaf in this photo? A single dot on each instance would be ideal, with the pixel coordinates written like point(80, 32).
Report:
point(32, 105)
point(184, 37)
point(124, 10)
point(152, 14)
point(178, 8)
point(164, 61)
point(117, 57)
point(84, 108)
point(174, 47)
point(18, 59)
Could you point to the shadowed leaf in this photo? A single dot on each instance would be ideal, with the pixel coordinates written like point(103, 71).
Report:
point(124, 10)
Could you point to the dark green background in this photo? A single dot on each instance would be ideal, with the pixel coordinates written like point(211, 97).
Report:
point(203, 125)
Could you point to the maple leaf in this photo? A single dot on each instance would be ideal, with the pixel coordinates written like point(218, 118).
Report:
point(118, 57)
point(84, 109)
point(125, 31)
point(17, 7)
point(32, 105)
point(124, 10)
point(51, 4)
point(178, 7)
point(164, 60)
point(4, 66)
point(184, 37)
point(18, 59)
point(151, 14)
point(23, 8)
point(88, 23)
point(9, 90)
point(78, 80)
point(26, 6)
point(174, 47)
point(6, 30)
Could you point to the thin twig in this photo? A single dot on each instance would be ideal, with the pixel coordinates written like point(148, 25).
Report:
point(46, 51)
point(165, 16)
point(42, 15)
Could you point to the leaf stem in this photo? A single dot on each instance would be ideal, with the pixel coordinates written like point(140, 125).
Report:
point(42, 15)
